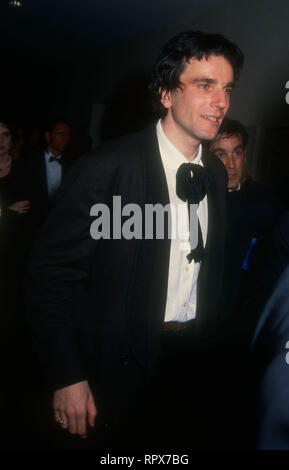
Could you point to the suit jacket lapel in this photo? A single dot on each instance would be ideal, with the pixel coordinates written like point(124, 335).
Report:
point(211, 273)
point(214, 206)
point(151, 274)
point(157, 193)
point(156, 183)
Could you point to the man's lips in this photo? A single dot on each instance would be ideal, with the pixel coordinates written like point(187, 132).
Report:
point(211, 118)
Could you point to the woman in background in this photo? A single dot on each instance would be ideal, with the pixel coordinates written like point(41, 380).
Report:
point(16, 356)
point(14, 208)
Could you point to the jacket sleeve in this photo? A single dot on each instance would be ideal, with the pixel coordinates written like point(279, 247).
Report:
point(60, 261)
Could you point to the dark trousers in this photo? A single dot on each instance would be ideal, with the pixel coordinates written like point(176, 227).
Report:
point(163, 412)
point(178, 393)
point(173, 410)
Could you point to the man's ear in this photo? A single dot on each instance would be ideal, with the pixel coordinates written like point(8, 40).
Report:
point(166, 98)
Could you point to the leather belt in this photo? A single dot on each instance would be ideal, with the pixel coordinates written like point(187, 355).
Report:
point(177, 325)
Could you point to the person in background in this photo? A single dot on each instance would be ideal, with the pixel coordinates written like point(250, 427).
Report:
point(45, 169)
point(230, 145)
point(15, 352)
point(270, 347)
point(252, 214)
point(14, 208)
point(269, 365)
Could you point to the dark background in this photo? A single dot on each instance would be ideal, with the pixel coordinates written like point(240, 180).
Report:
point(89, 61)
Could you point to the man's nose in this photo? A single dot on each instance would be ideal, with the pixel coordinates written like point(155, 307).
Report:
point(230, 162)
point(220, 99)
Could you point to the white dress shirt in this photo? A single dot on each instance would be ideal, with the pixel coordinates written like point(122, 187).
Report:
point(183, 276)
point(53, 174)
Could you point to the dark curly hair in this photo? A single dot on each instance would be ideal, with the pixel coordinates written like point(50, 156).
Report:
point(179, 50)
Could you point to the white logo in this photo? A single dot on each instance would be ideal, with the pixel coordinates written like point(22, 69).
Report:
point(129, 222)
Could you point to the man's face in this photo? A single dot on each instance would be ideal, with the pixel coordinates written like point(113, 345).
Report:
point(197, 108)
point(59, 138)
point(231, 152)
point(5, 140)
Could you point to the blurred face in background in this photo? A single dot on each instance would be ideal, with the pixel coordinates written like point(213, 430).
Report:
point(232, 153)
point(5, 140)
point(58, 139)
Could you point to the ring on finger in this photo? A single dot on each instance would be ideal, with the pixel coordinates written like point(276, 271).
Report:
point(62, 421)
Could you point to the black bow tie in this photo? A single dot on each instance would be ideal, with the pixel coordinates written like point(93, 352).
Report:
point(55, 159)
point(192, 186)
point(193, 182)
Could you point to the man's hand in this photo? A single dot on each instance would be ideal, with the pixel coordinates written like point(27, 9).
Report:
point(73, 407)
point(22, 207)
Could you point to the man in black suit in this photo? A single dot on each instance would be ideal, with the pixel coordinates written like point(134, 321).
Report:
point(126, 318)
point(252, 213)
point(45, 169)
point(270, 345)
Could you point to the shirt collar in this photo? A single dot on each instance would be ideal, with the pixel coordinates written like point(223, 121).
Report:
point(237, 189)
point(48, 154)
point(171, 156)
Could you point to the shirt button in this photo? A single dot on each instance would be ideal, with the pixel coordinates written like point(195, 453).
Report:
point(185, 304)
point(187, 268)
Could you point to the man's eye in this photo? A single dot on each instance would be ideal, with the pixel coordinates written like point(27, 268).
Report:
point(204, 86)
point(220, 155)
point(228, 91)
point(238, 153)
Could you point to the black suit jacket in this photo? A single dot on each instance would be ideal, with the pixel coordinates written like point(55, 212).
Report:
point(35, 179)
point(270, 370)
point(92, 303)
point(252, 213)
